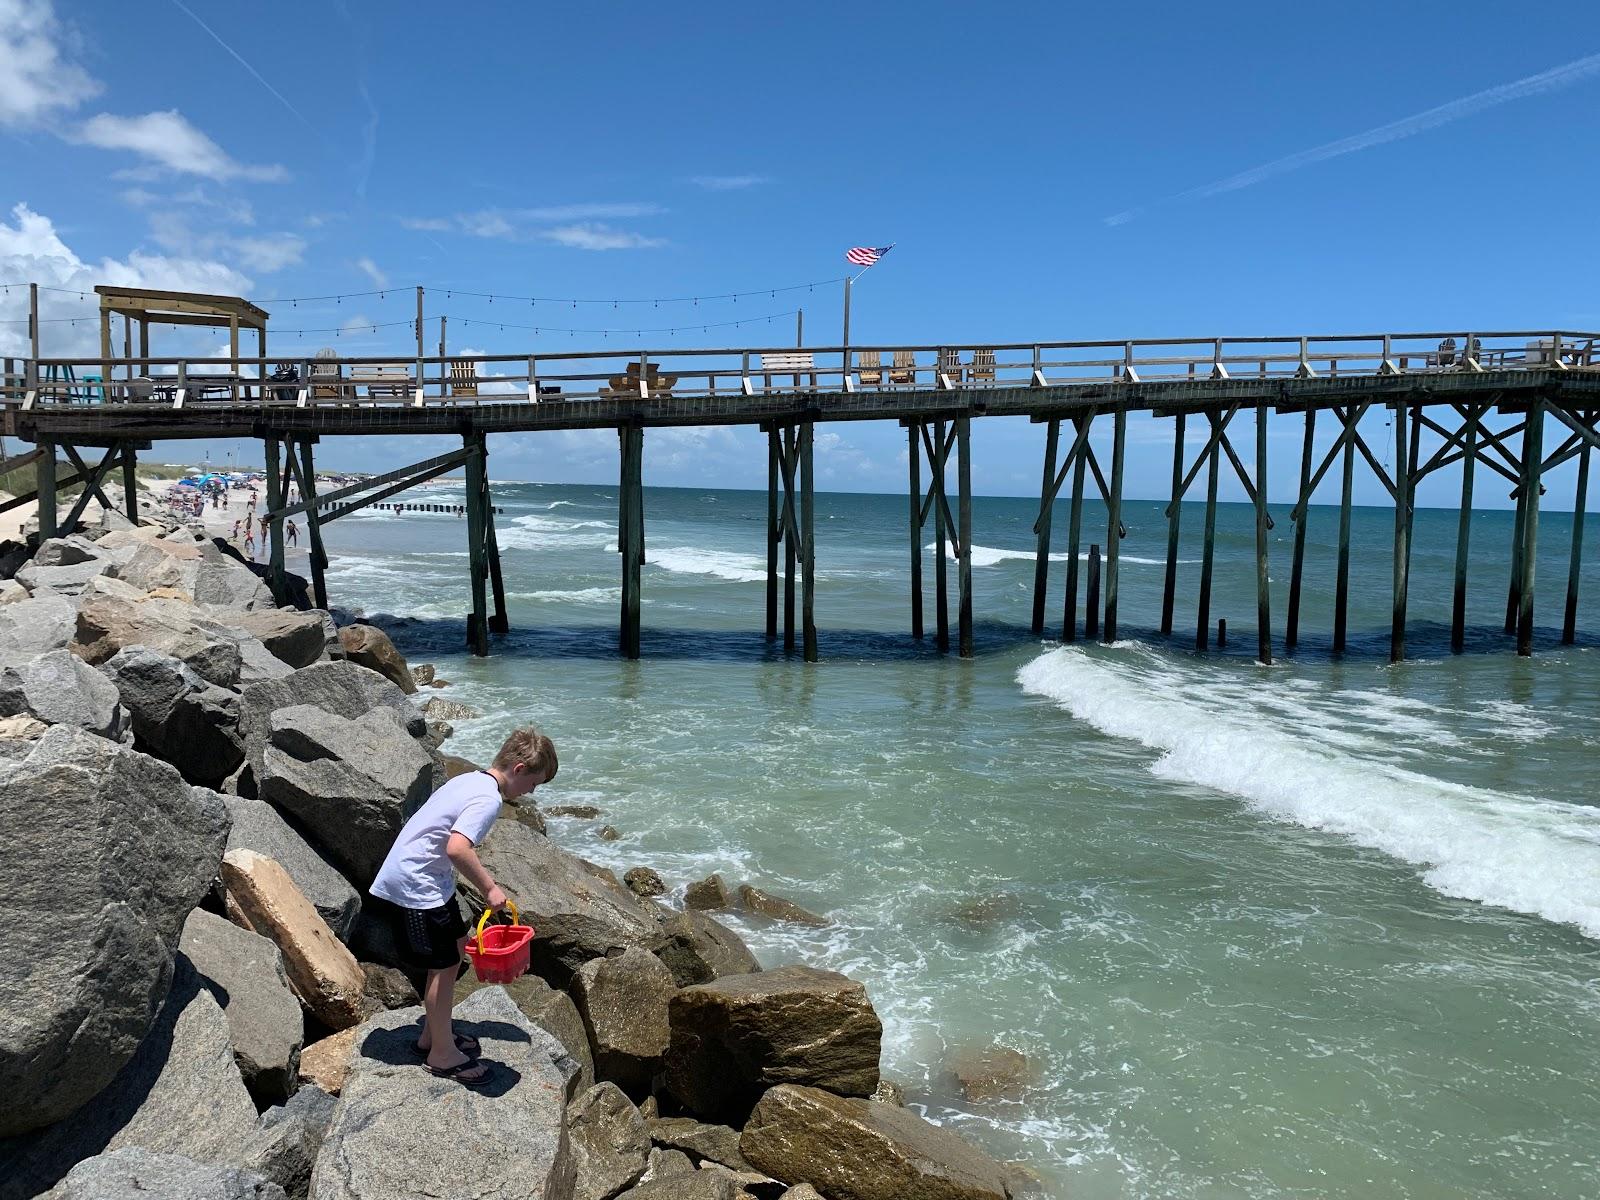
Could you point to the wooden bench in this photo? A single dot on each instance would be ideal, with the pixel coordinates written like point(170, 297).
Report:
point(386, 381)
point(626, 386)
point(795, 364)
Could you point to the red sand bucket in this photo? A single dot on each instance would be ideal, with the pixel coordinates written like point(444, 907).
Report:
point(501, 951)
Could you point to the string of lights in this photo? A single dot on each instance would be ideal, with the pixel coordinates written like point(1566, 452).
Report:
point(633, 330)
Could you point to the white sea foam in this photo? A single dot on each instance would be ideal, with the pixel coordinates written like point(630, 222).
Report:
point(1517, 852)
point(591, 595)
point(536, 532)
point(990, 556)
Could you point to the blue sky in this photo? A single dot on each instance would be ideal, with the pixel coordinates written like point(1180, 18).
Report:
point(1046, 171)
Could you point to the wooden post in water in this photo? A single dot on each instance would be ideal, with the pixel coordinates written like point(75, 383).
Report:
point(630, 533)
point(1170, 587)
point(1402, 529)
point(1341, 586)
point(1091, 601)
point(772, 532)
point(1532, 468)
point(914, 449)
point(1469, 459)
point(941, 537)
point(275, 572)
point(319, 556)
point(1263, 579)
point(1119, 441)
point(964, 533)
point(1514, 590)
point(477, 619)
point(808, 545)
point(791, 543)
point(1569, 622)
point(44, 482)
point(1041, 558)
point(1291, 629)
point(1080, 462)
point(499, 622)
point(1202, 631)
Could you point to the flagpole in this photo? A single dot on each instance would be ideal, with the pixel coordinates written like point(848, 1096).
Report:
point(848, 280)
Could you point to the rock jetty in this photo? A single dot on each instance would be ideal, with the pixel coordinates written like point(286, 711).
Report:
point(207, 784)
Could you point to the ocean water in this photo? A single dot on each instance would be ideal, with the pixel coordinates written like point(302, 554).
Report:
point(1324, 929)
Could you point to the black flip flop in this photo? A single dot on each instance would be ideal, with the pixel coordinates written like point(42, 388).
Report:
point(460, 1071)
point(465, 1042)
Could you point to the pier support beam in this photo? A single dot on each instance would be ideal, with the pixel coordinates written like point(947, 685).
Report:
point(1078, 461)
point(477, 568)
point(1349, 417)
point(916, 524)
point(808, 547)
point(1402, 534)
point(1263, 578)
point(1047, 497)
point(1208, 551)
point(130, 482)
point(964, 532)
point(1532, 468)
point(630, 532)
point(1569, 621)
point(1458, 599)
point(773, 531)
point(1174, 513)
point(44, 475)
point(1114, 530)
point(306, 476)
point(276, 578)
point(941, 537)
point(1291, 628)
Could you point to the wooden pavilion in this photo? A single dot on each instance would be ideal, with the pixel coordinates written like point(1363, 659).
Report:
point(148, 307)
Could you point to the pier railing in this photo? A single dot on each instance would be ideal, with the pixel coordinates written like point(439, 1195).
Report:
point(298, 380)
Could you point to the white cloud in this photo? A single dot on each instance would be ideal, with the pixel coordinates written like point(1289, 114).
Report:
point(36, 80)
point(262, 252)
point(32, 251)
point(168, 140)
point(371, 270)
point(273, 252)
point(728, 183)
point(595, 236)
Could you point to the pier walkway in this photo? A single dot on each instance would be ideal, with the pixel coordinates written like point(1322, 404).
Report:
point(1441, 388)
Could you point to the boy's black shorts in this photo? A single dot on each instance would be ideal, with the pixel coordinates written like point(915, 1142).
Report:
point(427, 939)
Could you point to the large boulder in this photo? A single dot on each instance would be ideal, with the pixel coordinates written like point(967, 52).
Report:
point(260, 827)
point(552, 1011)
point(322, 973)
point(370, 647)
point(325, 1064)
point(203, 571)
point(110, 850)
point(623, 1001)
point(106, 624)
point(400, 1131)
point(135, 1174)
point(698, 949)
point(689, 1185)
point(224, 581)
point(150, 563)
point(735, 1037)
point(68, 551)
point(609, 1145)
point(35, 625)
point(177, 715)
point(64, 565)
point(352, 783)
point(854, 1149)
point(244, 972)
point(298, 638)
point(180, 1093)
point(705, 1143)
point(61, 689)
point(284, 1144)
point(579, 914)
point(753, 899)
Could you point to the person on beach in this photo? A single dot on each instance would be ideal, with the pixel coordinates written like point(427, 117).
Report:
point(294, 533)
point(250, 545)
point(263, 528)
point(415, 889)
point(234, 536)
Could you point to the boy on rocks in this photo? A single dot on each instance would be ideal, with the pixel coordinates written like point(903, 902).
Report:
point(416, 887)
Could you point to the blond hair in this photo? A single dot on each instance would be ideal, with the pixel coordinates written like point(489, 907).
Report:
point(530, 748)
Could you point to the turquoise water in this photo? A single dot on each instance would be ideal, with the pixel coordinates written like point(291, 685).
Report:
point(1321, 929)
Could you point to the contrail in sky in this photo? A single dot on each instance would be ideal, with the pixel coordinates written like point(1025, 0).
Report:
point(1533, 85)
point(282, 99)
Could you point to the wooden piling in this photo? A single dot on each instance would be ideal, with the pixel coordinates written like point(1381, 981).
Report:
point(772, 532)
point(1402, 531)
point(1119, 441)
point(941, 532)
point(1532, 469)
point(1291, 628)
point(964, 533)
point(630, 529)
point(130, 481)
point(1091, 600)
point(477, 618)
point(1514, 588)
point(1263, 578)
point(1209, 548)
point(275, 572)
point(1341, 585)
point(1469, 460)
point(914, 450)
point(1569, 622)
point(1041, 555)
point(791, 541)
point(1080, 462)
point(499, 620)
point(318, 555)
point(1170, 587)
point(44, 481)
point(808, 546)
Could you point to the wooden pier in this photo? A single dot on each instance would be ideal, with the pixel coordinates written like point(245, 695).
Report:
point(1439, 388)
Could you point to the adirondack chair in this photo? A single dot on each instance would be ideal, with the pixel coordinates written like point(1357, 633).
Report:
point(904, 370)
point(871, 368)
point(795, 364)
point(983, 365)
point(463, 377)
point(325, 377)
point(950, 365)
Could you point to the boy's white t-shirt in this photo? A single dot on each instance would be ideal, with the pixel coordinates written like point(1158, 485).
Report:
point(417, 873)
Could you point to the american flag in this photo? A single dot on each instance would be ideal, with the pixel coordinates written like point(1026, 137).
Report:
point(866, 256)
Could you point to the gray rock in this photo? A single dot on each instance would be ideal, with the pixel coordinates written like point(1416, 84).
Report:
point(399, 1131)
point(61, 689)
point(552, 1011)
point(388, 987)
point(342, 688)
point(579, 915)
point(609, 1144)
point(64, 565)
point(285, 1142)
point(106, 624)
point(134, 848)
point(735, 1037)
point(623, 1002)
point(177, 715)
point(853, 1149)
point(12, 592)
point(439, 732)
point(66, 552)
point(585, 812)
point(644, 881)
point(714, 1143)
point(260, 827)
point(440, 709)
point(697, 1185)
point(297, 638)
point(135, 1174)
point(34, 626)
point(257, 664)
point(699, 949)
point(710, 893)
point(180, 1093)
point(370, 646)
point(778, 908)
point(224, 581)
point(244, 972)
point(422, 675)
point(352, 784)
point(667, 1164)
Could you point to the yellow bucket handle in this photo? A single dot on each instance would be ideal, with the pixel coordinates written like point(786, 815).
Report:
point(489, 912)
